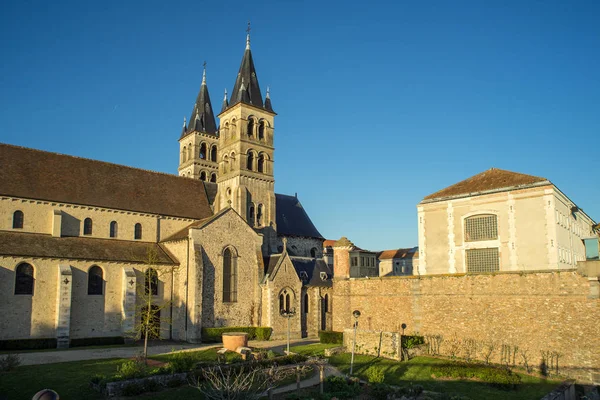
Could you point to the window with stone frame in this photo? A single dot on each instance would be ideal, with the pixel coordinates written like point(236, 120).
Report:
point(285, 300)
point(18, 219)
point(482, 260)
point(481, 227)
point(24, 280)
point(95, 280)
point(229, 276)
point(113, 229)
point(137, 235)
point(151, 282)
point(87, 226)
point(305, 303)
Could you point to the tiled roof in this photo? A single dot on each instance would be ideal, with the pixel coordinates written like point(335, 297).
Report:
point(398, 253)
point(291, 218)
point(79, 248)
point(493, 179)
point(41, 175)
point(329, 243)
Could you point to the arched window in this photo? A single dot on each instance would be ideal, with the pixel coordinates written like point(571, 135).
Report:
point(137, 231)
point(313, 252)
point(184, 154)
point(326, 303)
point(189, 155)
point(95, 280)
point(233, 128)
point(203, 151)
point(259, 215)
point(285, 300)
point(213, 178)
point(250, 164)
point(24, 279)
point(281, 302)
point(18, 219)
point(151, 283)
point(261, 163)
point(213, 154)
point(229, 276)
point(113, 229)
point(251, 214)
point(87, 226)
point(261, 130)
point(203, 176)
point(225, 164)
point(305, 303)
point(250, 126)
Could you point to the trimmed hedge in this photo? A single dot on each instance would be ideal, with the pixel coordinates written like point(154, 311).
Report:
point(28, 344)
point(502, 378)
point(98, 341)
point(331, 337)
point(213, 335)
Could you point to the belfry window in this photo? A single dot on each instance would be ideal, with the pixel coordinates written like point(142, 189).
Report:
point(137, 231)
point(95, 280)
point(481, 227)
point(18, 219)
point(261, 163)
point(251, 215)
point(250, 163)
point(151, 282)
point(203, 151)
point(203, 176)
point(114, 227)
point(213, 178)
point(261, 130)
point(213, 154)
point(250, 126)
point(24, 280)
point(87, 226)
point(259, 215)
point(229, 276)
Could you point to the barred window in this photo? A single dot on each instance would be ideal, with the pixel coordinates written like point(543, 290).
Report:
point(229, 277)
point(483, 260)
point(481, 227)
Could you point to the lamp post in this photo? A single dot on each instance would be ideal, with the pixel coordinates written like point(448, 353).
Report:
point(355, 314)
point(288, 314)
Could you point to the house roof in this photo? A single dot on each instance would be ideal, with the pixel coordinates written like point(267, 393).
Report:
point(82, 248)
point(398, 253)
point(311, 266)
point(292, 219)
point(492, 180)
point(36, 174)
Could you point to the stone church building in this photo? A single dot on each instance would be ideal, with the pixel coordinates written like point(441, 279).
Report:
point(83, 243)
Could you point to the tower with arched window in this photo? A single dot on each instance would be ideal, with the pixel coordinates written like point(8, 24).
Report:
point(199, 140)
point(245, 180)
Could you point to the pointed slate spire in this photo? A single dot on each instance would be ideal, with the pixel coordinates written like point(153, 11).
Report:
point(184, 130)
point(247, 73)
point(225, 102)
point(203, 118)
point(268, 105)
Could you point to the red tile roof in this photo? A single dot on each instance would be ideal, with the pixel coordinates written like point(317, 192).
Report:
point(398, 253)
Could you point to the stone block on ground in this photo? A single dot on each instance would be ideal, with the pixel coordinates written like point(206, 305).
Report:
point(233, 340)
point(244, 351)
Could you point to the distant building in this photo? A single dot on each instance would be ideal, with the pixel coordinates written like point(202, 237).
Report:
point(500, 221)
point(398, 262)
point(328, 252)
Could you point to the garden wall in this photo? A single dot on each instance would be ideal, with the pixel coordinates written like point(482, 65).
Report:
point(549, 316)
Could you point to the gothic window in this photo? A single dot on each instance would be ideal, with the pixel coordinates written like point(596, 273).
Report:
point(113, 229)
point(87, 226)
point(24, 279)
point(250, 126)
point(203, 176)
point(18, 219)
point(213, 178)
point(481, 227)
point(213, 154)
point(250, 165)
point(313, 252)
point(259, 215)
point(203, 151)
point(261, 163)
point(483, 260)
point(95, 280)
point(151, 282)
point(285, 304)
point(306, 303)
point(138, 231)
point(229, 276)
point(261, 130)
point(251, 214)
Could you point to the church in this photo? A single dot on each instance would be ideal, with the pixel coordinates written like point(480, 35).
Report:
point(84, 244)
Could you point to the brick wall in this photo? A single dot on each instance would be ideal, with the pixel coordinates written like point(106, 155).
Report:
point(538, 311)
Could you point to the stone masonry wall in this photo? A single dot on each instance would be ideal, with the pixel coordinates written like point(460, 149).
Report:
point(538, 312)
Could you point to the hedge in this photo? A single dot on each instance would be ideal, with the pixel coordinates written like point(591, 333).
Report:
point(213, 335)
point(331, 337)
point(28, 344)
point(97, 341)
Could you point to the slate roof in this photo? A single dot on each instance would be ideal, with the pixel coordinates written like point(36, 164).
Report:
point(492, 180)
point(183, 233)
point(36, 174)
point(313, 268)
point(398, 253)
point(21, 244)
point(292, 219)
point(202, 118)
point(211, 191)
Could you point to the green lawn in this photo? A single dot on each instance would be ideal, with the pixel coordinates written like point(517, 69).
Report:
point(418, 371)
point(312, 349)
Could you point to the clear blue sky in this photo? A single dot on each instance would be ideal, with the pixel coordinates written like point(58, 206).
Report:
point(379, 103)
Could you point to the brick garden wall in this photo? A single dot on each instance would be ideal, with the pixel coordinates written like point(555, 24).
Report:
point(542, 313)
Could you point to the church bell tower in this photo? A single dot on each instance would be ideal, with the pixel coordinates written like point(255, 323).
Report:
point(245, 177)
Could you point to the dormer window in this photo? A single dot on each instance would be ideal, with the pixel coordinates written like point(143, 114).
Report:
point(303, 275)
point(323, 276)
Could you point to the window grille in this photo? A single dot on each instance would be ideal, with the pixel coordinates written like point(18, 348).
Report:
point(483, 260)
point(481, 227)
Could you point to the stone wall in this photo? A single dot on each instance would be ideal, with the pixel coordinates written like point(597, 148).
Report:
point(537, 312)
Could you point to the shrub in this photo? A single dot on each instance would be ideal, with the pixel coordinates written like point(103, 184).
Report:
point(381, 391)
point(181, 362)
point(410, 341)
point(213, 335)
point(9, 362)
point(97, 341)
point(331, 337)
point(132, 369)
point(151, 386)
point(271, 355)
point(375, 374)
point(98, 379)
point(340, 387)
point(502, 378)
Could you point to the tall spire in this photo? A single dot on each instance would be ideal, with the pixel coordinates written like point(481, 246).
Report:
point(225, 102)
point(248, 37)
point(184, 129)
point(247, 73)
point(268, 105)
point(202, 118)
